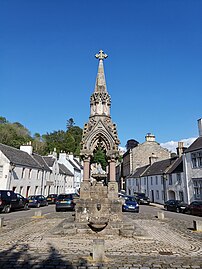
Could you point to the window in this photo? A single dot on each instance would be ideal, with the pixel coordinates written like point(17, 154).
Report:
point(196, 159)
point(179, 178)
point(162, 180)
point(21, 189)
point(197, 183)
point(151, 181)
point(145, 181)
point(136, 182)
point(157, 195)
point(30, 173)
point(156, 180)
point(23, 172)
point(1, 170)
point(170, 180)
point(200, 158)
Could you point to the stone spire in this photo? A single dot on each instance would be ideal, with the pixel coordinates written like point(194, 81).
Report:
point(100, 101)
point(100, 84)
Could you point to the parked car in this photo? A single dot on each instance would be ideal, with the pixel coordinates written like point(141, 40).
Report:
point(37, 201)
point(9, 200)
point(65, 202)
point(195, 208)
point(130, 204)
point(175, 205)
point(141, 198)
point(51, 198)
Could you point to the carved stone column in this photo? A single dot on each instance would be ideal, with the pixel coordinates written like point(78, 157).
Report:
point(86, 169)
point(112, 170)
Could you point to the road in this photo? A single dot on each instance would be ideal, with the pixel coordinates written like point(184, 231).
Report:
point(31, 242)
point(144, 210)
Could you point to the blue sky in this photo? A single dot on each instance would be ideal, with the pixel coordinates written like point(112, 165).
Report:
point(153, 72)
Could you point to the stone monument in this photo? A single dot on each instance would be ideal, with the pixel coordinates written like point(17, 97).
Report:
point(99, 207)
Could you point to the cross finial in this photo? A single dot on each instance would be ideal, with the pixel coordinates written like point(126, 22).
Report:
point(101, 55)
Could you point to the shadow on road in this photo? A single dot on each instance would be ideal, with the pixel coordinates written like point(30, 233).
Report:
point(18, 258)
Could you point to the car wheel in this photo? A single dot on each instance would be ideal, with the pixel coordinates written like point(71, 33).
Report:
point(177, 210)
point(26, 207)
point(7, 209)
point(57, 210)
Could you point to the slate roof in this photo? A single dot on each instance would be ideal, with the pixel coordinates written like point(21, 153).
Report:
point(176, 167)
point(75, 167)
point(41, 161)
point(197, 144)
point(49, 160)
point(139, 171)
point(19, 157)
point(78, 163)
point(64, 170)
point(159, 168)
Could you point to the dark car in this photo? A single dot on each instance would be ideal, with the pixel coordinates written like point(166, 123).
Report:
point(130, 204)
point(65, 202)
point(175, 205)
point(141, 198)
point(10, 200)
point(51, 198)
point(37, 201)
point(195, 208)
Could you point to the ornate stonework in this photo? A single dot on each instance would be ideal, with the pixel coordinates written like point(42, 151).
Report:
point(100, 129)
point(99, 206)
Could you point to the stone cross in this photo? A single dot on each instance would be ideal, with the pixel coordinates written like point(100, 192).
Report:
point(101, 55)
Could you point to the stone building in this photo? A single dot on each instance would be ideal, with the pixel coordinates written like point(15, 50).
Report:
point(143, 154)
point(192, 160)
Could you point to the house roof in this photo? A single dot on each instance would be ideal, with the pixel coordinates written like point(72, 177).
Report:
point(49, 160)
point(197, 144)
point(76, 161)
point(19, 157)
point(74, 166)
point(176, 167)
point(139, 171)
point(64, 170)
point(41, 161)
point(160, 167)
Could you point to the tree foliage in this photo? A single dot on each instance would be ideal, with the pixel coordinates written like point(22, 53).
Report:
point(99, 156)
point(15, 135)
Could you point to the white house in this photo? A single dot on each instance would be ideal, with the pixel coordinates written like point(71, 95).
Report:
point(192, 160)
point(21, 172)
point(74, 167)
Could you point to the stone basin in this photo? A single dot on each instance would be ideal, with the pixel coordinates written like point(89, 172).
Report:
point(98, 224)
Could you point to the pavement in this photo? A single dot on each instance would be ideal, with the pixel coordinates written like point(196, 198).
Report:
point(155, 243)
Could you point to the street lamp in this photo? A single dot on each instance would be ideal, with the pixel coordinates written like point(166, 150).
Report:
point(12, 167)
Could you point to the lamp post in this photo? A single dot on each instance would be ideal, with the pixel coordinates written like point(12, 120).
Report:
point(12, 167)
point(164, 187)
point(42, 179)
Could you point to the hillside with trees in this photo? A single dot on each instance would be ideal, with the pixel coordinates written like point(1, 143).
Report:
point(15, 135)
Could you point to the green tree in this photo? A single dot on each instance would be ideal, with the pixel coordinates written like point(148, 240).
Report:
point(70, 123)
point(99, 156)
point(3, 120)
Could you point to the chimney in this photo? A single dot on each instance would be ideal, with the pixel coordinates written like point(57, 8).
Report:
point(150, 137)
point(152, 159)
point(200, 127)
point(180, 149)
point(27, 148)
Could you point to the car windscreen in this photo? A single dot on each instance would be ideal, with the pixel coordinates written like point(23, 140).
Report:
point(64, 196)
point(32, 197)
point(131, 199)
